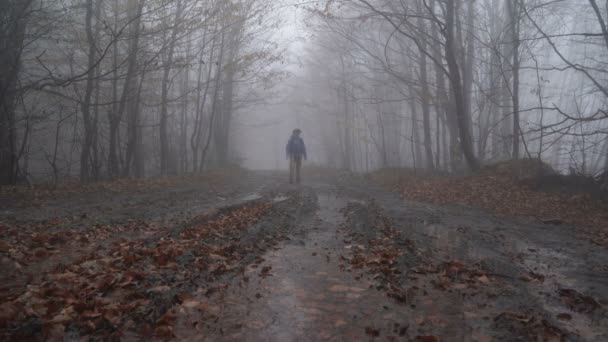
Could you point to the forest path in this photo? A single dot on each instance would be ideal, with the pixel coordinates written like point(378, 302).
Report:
point(300, 290)
point(253, 258)
point(361, 264)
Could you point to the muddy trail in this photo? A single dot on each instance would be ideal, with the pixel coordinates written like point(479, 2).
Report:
point(253, 258)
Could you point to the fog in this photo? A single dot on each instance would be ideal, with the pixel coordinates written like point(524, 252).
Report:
point(102, 89)
point(304, 170)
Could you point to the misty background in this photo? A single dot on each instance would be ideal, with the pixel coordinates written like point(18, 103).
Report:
point(100, 89)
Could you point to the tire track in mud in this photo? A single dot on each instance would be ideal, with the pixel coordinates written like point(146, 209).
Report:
point(317, 263)
point(461, 282)
point(396, 267)
point(60, 230)
point(299, 290)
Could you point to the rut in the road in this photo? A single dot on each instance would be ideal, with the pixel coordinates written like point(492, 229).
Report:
point(300, 291)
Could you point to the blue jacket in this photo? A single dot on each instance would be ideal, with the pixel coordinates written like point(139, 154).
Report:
point(295, 147)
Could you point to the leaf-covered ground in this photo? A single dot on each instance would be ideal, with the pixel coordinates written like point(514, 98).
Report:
point(120, 285)
point(107, 270)
point(503, 190)
point(245, 256)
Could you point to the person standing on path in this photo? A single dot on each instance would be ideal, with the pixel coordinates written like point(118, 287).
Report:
point(296, 150)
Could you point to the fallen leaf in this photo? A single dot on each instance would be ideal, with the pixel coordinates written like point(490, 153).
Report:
point(265, 271)
point(339, 323)
point(160, 288)
point(483, 279)
point(165, 331)
point(470, 315)
point(373, 332)
point(191, 303)
point(339, 288)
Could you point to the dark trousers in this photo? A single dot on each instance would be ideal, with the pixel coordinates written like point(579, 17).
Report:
point(295, 164)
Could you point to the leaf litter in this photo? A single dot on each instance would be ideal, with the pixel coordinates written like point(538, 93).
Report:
point(404, 273)
point(508, 189)
point(112, 286)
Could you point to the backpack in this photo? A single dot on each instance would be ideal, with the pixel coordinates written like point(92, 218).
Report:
point(296, 146)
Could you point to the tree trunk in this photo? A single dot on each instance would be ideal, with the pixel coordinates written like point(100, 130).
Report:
point(11, 44)
point(135, 147)
point(95, 160)
point(85, 172)
point(218, 77)
point(224, 121)
point(445, 101)
point(197, 135)
point(113, 112)
point(514, 18)
point(183, 146)
point(467, 80)
point(129, 89)
point(425, 97)
point(382, 136)
point(459, 98)
point(164, 138)
point(416, 148)
point(494, 78)
point(346, 128)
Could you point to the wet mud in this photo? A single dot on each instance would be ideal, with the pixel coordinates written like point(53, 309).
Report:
point(301, 291)
point(334, 259)
point(472, 276)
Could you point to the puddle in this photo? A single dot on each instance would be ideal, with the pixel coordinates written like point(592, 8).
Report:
point(560, 271)
point(251, 197)
point(546, 269)
point(280, 198)
point(299, 292)
point(452, 244)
